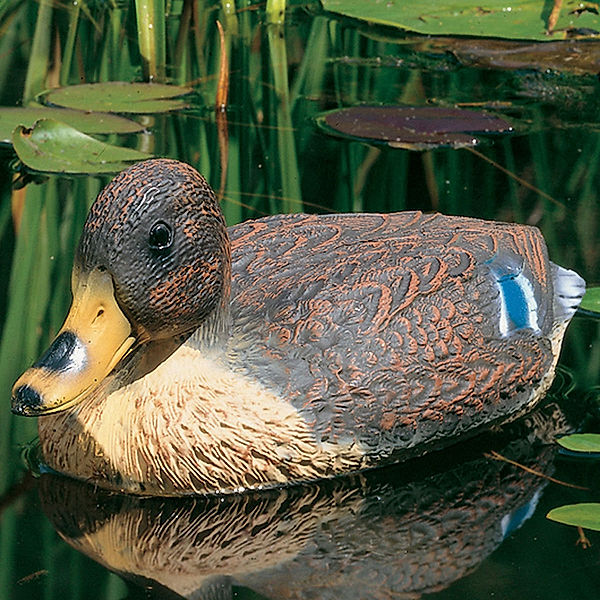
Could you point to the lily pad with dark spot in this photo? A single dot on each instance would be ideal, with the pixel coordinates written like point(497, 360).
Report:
point(53, 147)
point(11, 117)
point(413, 128)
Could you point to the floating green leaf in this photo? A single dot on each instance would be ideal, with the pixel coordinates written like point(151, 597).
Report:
point(120, 97)
point(585, 514)
point(518, 19)
point(591, 300)
point(11, 117)
point(581, 442)
point(414, 128)
point(54, 147)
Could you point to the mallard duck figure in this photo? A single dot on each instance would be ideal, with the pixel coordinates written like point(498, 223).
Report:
point(200, 359)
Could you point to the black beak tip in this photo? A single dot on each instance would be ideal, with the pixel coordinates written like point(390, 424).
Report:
point(25, 401)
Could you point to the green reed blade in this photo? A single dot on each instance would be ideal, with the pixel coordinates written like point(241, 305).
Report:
point(230, 23)
point(8, 549)
point(38, 292)
point(14, 340)
point(37, 69)
point(8, 40)
point(276, 11)
point(74, 10)
point(231, 203)
point(510, 163)
point(151, 29)
point(5, 216)
point(181, 60)
point(78, 575)
point(6, 7)
point(309, 82)
point(200, 27)
point(286, 139)
point(114, 49)
point(115, 588)
point(50, 541)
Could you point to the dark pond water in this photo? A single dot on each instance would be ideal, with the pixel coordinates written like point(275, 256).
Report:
point(457, 524)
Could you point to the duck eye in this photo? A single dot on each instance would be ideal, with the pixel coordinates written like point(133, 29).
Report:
point(161, 236)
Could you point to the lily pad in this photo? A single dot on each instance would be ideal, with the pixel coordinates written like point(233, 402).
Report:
point(11, 117)
point(51, 146)
point(585, 514)
point(581, 442)
point(518, 19)
point(414, 128)
point(591, 300)
point(120, 97)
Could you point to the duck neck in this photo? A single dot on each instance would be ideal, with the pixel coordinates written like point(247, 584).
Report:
point(210, 338)
point(214, 331)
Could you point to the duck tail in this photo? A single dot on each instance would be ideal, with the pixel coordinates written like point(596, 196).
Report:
point(569, 288)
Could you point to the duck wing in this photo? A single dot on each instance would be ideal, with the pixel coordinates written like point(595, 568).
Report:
point(394, 331)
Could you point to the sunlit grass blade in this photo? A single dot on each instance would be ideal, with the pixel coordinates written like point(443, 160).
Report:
point(230, 17)
point(276, 11)
point(286, 139)
point(152, 40)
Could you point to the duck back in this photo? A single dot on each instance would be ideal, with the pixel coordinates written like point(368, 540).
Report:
point(394, 332)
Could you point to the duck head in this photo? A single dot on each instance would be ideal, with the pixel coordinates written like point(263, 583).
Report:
point(152, 266)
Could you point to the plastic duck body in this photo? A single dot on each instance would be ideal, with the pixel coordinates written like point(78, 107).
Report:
point(197, 359)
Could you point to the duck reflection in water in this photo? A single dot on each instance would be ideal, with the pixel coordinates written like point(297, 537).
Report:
point(379, 534)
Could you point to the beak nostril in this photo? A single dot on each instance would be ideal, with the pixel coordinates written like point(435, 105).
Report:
point(25, 400)
point(100, 312)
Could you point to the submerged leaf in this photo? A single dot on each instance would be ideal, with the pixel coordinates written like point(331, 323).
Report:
point(415, 128)
point(519, 19)
point(120, 96)
point(11, 117)
point(54, 147)
point(591, 300)
point(574, 56)
point(585, 514)
point(581, 442)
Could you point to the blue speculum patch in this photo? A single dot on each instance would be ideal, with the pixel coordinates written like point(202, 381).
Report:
point(517, 302)
point(518, 306)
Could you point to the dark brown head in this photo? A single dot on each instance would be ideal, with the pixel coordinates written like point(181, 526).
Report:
point(153, 264)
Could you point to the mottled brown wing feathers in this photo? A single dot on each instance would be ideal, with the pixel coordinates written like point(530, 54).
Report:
point(384, 328)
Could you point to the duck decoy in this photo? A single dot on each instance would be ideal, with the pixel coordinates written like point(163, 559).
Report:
point(200, 359)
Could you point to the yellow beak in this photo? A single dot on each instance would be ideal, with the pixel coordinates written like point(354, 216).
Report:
point(94, 338)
